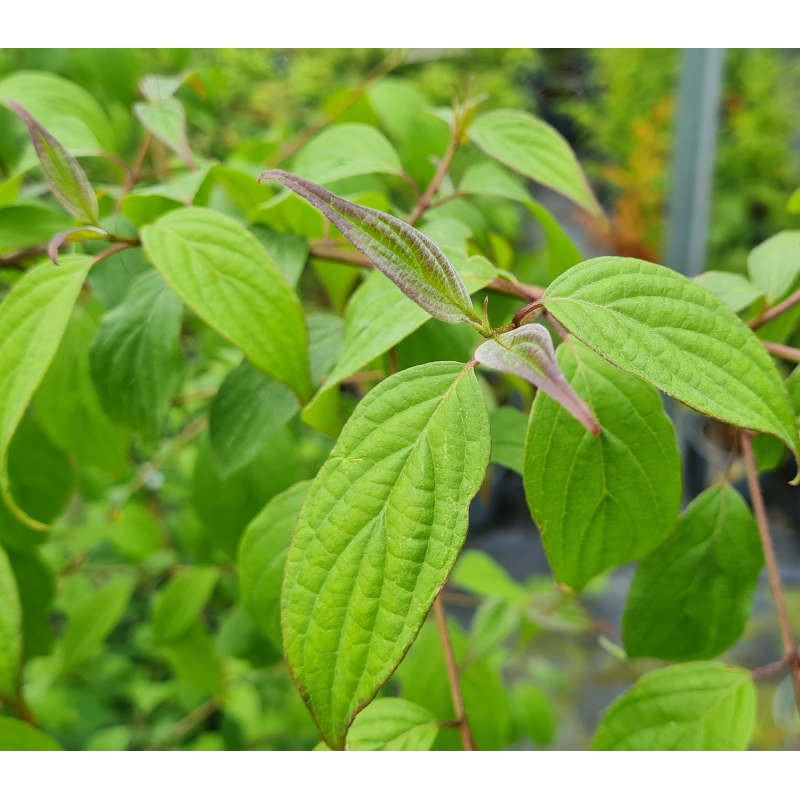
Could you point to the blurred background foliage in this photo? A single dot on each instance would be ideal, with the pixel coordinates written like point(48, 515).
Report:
point(152, 689)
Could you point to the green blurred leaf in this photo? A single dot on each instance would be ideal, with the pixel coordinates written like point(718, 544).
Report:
point(262, 558)
point(391, 723)
point(479, 573)
point(601, 501)
point(16, 735)
point(136, 358)
point(344, 151)
point(63, 173)
point(365, 571)
point(696, 706)
point(134, 532)
point(217, 267)
point(28, 225)
point(534, 149)
point(534, 714)
point(691, 598)
point(36, 587)
point(179, 605)
point(10, 629)
point(509, 429)
point(166, 120)
point(194, 661)
point(33, 317)
point(247, 410)
point(659, 325)
point(734, 290)
point(774, 265)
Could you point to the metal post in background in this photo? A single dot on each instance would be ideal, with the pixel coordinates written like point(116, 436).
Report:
point(695, 136)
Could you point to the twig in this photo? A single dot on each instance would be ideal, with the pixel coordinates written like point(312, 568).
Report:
point(782, 350)
point(768, 670)
point(770, 314)
point(787, 634)
point(522, 290)
point(452, 675)
point(135, 172)
point(447, 159)
point(19, 708)
point(330, 251)
point(187, 725)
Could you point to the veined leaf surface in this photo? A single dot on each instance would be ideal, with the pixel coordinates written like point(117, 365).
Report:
point(378, 534)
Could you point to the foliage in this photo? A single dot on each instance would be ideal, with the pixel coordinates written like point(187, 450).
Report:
point(250, 393)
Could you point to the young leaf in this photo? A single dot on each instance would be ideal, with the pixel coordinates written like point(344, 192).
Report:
point(33, 317)
point(63, 173)
point(166, 120)
point(17, 735)
point(344, 151)
point(696, 706)
point(179, 605)
point(734, 290)
point(691, 597)
point(659, 325)
point(218, 268)
point(407, 257)
point(247, 410)
point(136, 358)
point(534, 149)
point(92, 620)
point(774, 265)
point(262, 557)
point(601, 501)
point(477, 572)
point(10, 629)
point(379, 531)
point(391, 723)
point(528, 352)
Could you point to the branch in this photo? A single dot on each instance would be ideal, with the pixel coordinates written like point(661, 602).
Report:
point(186, 725)
point(770, 314)
point(782, 350)
point(425, 201)
point(787, 634)
point(19, 708)
point(452, 675)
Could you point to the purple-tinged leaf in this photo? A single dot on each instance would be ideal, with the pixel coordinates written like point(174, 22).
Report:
point(528, 352)
point(63, 173)
point(407, 257)
point(73, 235)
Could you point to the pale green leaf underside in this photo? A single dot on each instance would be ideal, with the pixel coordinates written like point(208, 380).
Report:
point(262, 558)
point(33, 317)
point(697, 706)
point(378, 534)
point(219, 269)
point(391, 723)
point(734, 290)
point(534, 149)
point(10, 628)
point(692, 596)
point(344, 151)
point(601, 501)
point(659, 325)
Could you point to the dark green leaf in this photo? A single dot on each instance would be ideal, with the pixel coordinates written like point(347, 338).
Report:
point(691, 597)
point(10, 629)
point(179, 605)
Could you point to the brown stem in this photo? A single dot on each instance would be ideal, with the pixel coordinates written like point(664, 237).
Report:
point(447, 159)
point(770, 314)
point(768, 670)
point(135, 171)
point(14, 260)
point(452, 675)
point(787, 634)
point(187, 725)
point(117, 248)
point(330, 251)
point(783, 351)
point(521, 290)
point(19, 708)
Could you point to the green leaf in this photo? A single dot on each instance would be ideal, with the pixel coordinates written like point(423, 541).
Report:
point(262, 557)
point(601, 501)
point(134, 532)
point(218, 268)
point(696, 706)
point(734, 290)
point(534, 714)
point(289, 252)
point(29, 225)
point(509, 428)
point(381, 528)
point(659, 325)
point(33, 317)
point(166, 120)
point(527, 351)
point(10, 629)
point(17, 735)
point(477, 572)
point(179, 605)
point(391, 723)
point(145, 205)
point(136, 358)
point(325, 334)
point(194, 660)
point(92, 619)
point(774, 265)
point(534, 149)
point(247, 410)
point(68, 408)
point(691, 598)
point(69, 112)
point(63, 173)
point(36, 587)
point(407, 257)
point(344, 151)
